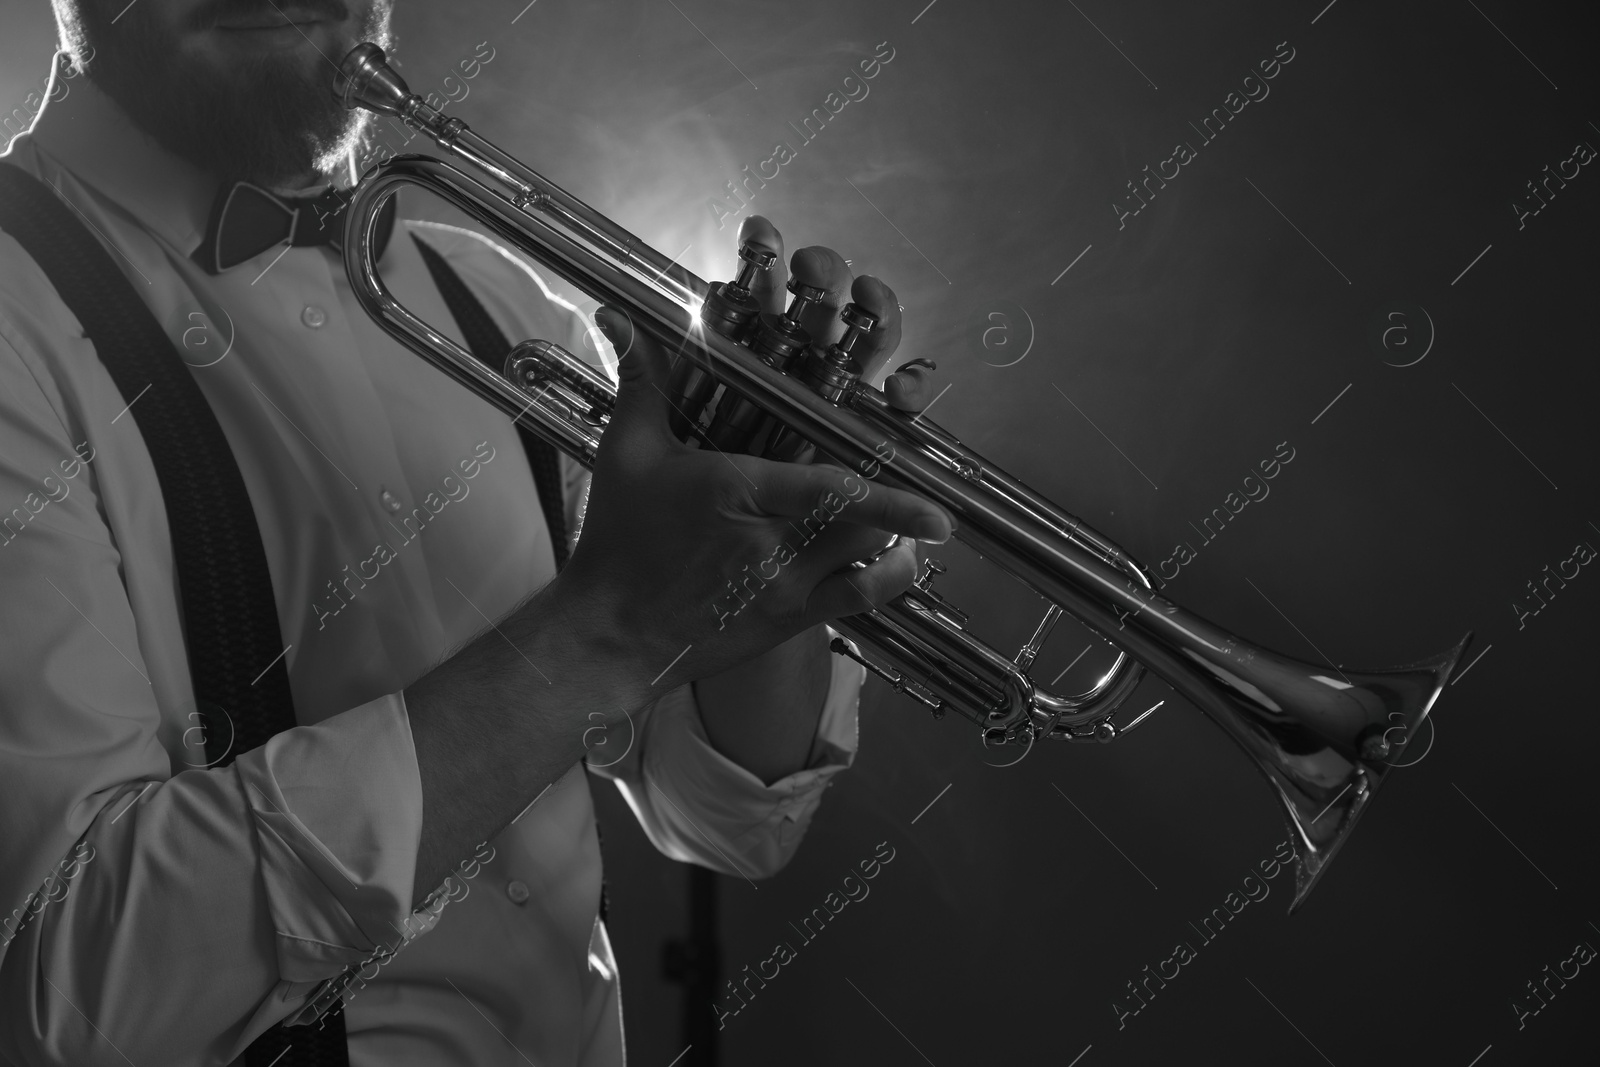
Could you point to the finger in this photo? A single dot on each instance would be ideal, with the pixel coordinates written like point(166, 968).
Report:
point(860, 589)
point(912, 387)
point(818, 495)
point(839, 545)
point(827, 270)
point(769, 284)
point(874, 351)
point(643, 372)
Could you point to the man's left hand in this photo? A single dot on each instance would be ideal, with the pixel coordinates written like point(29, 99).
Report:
point(763, 714)
point(908, 389)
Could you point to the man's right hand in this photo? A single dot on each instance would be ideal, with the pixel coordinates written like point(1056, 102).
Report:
point(672, 531)
point(644, 605)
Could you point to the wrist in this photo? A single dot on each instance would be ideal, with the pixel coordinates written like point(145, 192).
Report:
point(593, 647)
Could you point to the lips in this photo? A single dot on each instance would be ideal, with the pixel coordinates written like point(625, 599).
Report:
point(246, 15)
point(273, 16)
point(272, 21)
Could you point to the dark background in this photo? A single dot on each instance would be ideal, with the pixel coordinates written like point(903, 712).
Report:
point(1196, 339)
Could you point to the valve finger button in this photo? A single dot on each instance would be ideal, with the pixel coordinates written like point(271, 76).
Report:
point(805, 298)
point(859, 319)
point(858, 322)
point(753, 260)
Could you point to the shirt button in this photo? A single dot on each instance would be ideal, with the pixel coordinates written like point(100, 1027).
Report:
point(389, 501)
point(517, 891)
point(313, 316)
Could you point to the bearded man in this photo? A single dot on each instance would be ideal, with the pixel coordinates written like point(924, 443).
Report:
point(419, 841)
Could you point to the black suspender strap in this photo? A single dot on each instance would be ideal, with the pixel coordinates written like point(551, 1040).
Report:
point(241, 680)
point(230, 616)
point(490, 346)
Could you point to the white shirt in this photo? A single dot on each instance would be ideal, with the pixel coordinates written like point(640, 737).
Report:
point(157, 911)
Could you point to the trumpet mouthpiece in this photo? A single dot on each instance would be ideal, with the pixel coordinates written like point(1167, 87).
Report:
point(365, 79)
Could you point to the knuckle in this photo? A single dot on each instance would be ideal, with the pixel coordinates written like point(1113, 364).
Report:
point(728, 493)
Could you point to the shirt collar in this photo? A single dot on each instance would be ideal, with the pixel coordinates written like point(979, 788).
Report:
point(89, 134)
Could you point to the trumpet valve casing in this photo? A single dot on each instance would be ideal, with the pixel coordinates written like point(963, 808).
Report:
point(729, 309)
point(777, 340)
point(830, 373)
point(833, 372)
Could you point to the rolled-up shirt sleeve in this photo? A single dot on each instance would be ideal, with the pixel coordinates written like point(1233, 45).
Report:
point(152, 916)
point(697, 805)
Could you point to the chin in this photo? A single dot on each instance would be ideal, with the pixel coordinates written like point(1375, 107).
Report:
point(255, 104)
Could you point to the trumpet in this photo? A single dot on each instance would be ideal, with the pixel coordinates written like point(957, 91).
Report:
point(1322, 736)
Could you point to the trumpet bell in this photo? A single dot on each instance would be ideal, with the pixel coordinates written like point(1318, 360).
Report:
point(1327, 757)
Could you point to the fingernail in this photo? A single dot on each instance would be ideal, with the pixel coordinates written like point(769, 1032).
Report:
point(927, 528)
point(615, 323)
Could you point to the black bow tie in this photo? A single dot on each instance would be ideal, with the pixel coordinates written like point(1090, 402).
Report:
point(246, 220)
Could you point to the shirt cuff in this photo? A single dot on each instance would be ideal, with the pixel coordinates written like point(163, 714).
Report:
point(697, 804)
point(338, 816)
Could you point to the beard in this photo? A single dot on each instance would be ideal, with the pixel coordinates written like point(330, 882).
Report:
point(270, 118)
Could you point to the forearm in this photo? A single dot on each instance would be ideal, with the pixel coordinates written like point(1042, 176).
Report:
point(501, 720)
point(763, 714)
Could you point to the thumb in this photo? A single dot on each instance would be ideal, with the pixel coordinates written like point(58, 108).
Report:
point(643, 374)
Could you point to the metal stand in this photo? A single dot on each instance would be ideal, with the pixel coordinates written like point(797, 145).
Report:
point(694, 962)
